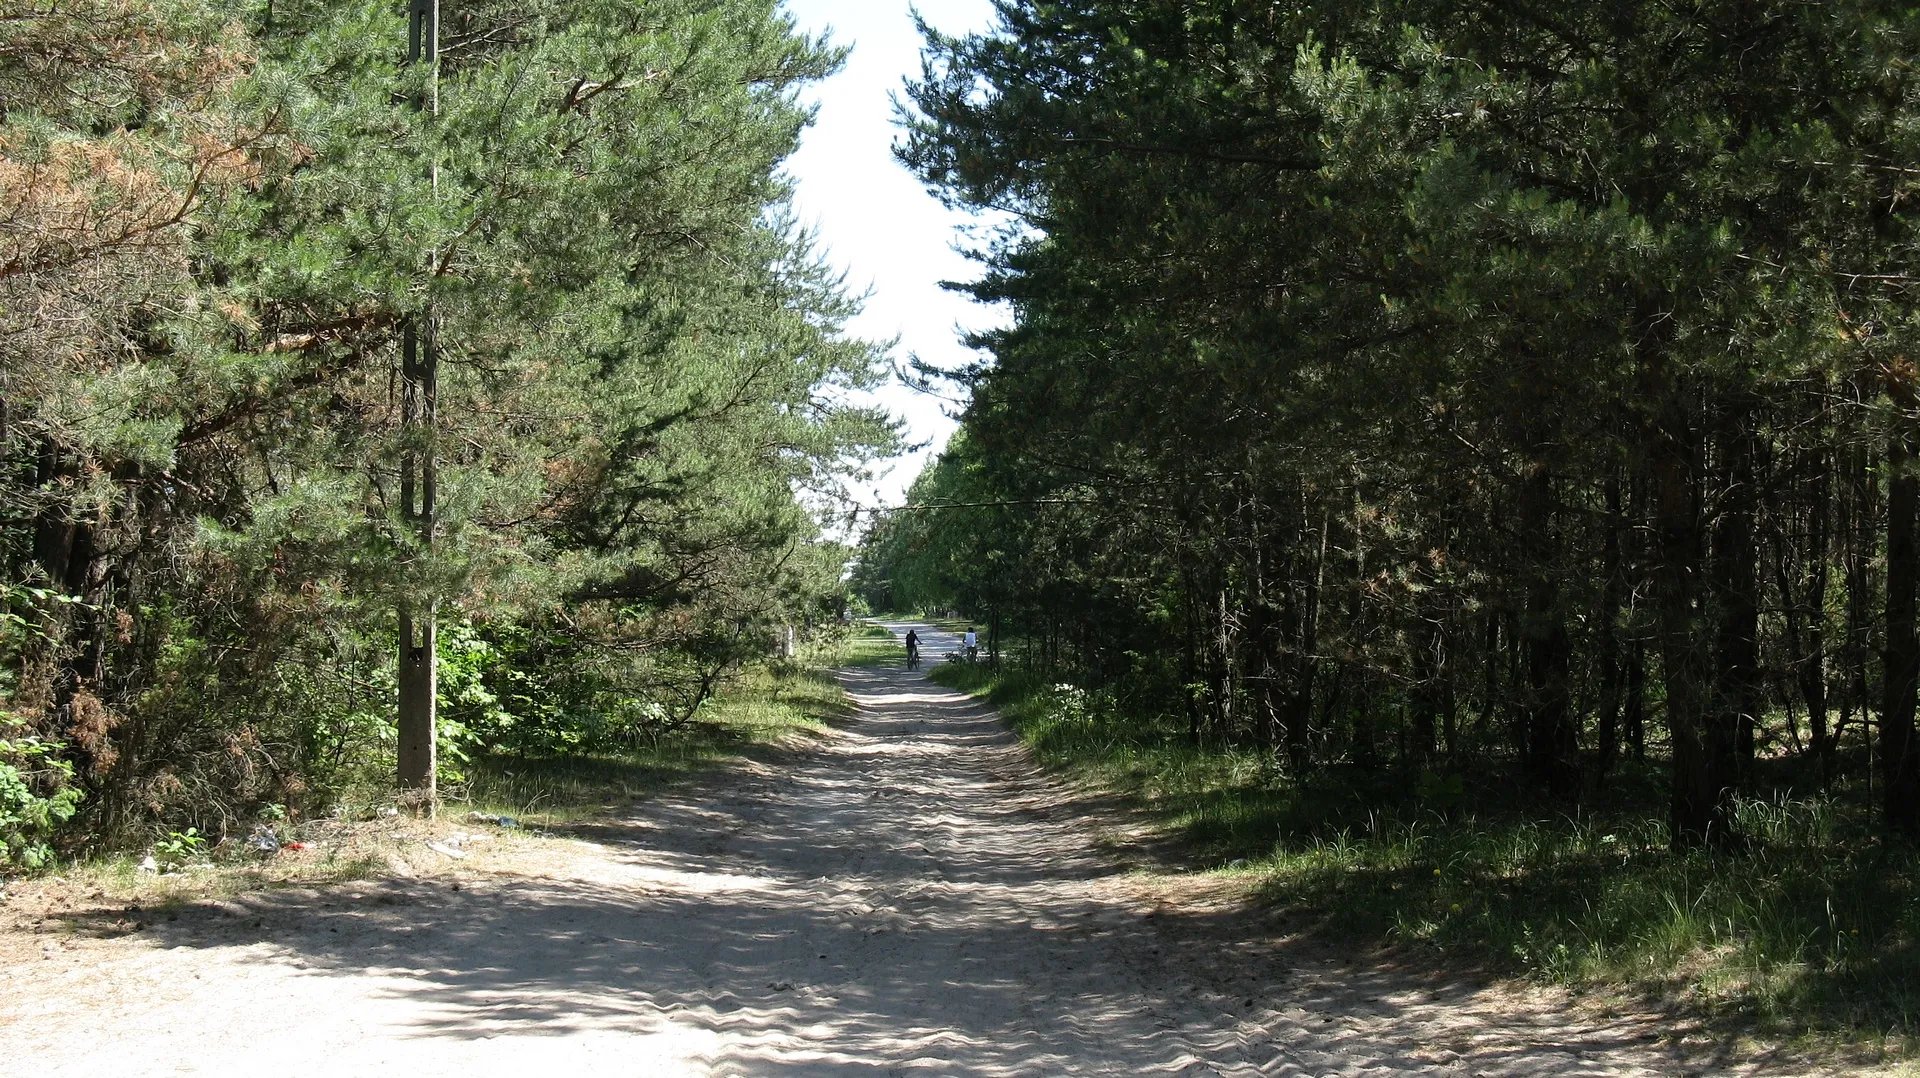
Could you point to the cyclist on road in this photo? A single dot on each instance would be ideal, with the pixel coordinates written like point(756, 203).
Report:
point(913, 649)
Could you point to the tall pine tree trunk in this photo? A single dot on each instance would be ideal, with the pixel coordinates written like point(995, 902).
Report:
point(1606, 745)
point(1803, 600)
point(1899, 766)
point(1736, 698)
point(1859, 547)
point(1424, 696)
point(1551, 746)
point(1304, 665)
point(1633, 712)
point(1696, 811)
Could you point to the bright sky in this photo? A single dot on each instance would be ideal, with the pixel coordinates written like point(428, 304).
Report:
point(873, 217)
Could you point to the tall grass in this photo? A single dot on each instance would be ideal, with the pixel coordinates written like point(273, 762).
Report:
point(1809, 925)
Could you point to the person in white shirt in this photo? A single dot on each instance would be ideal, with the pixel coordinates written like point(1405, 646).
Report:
point(973, 646)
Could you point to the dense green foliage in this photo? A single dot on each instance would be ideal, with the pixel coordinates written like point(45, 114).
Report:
point(770, 709)
point(1421, 380)
point(221, 219)
point(1418, 395)
point(36, 797)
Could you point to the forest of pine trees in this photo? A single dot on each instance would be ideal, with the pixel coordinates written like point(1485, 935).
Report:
point(351, 363)
point(1456, 462)
point(1443, 387)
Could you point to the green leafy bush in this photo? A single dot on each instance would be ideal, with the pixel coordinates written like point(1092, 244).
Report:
point(173, 852)
point(35, 798)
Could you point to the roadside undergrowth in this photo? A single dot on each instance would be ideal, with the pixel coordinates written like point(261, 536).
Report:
point(1808, 930)
point(862, 644)
point(771, 708)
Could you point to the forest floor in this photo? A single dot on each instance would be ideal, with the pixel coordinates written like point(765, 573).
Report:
point(909, 893)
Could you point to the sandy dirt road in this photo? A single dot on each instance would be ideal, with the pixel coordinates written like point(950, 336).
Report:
point(911, 898)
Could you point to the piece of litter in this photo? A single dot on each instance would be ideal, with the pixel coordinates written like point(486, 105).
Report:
point(448, 850)
point(264, 840)
point(483, 817)
point(149, 864)
point(507, 821)
point(296, 846)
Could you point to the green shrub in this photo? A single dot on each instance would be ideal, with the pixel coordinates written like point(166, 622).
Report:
point(35, 798)
point(179, 847)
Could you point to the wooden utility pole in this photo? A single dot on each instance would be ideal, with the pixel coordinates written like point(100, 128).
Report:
point(419, 402)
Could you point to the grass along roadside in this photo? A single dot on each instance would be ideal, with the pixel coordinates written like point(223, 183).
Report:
point(1810, 932)
point(770, 709)
point(864, 644)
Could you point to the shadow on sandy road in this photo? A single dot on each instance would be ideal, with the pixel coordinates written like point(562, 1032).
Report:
point(556, 958)
point(912, 894)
